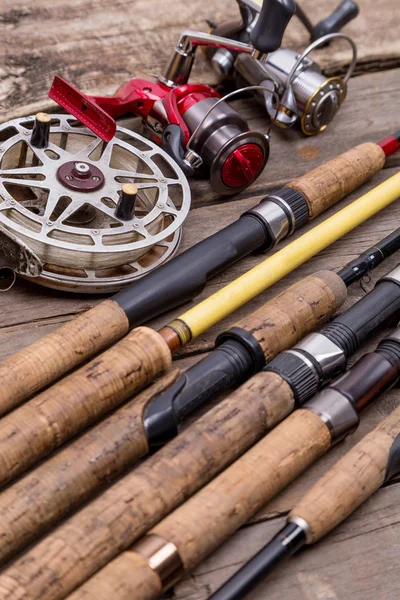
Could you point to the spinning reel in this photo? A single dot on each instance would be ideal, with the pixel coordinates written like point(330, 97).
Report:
point(306, 96)
point(203, 134)
point(80, 215)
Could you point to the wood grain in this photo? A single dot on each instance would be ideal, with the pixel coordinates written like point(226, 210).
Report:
point(97, 46)
point(371, 533)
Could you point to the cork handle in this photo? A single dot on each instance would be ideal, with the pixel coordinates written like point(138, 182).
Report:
point(335, 179)
point(205, 521)
point(132, 572)
point(45, 361)
point(350, 482)
point(68, 407)
point(120, 515)
point(62, 483)
point(200, 525)
point(297, 311)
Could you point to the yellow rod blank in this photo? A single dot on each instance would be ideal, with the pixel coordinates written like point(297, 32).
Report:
point(215, 308)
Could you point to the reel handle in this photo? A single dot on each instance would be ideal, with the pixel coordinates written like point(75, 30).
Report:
point(343, 14)
point(274, 17)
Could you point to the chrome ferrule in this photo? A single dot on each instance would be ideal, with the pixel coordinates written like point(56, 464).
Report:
point(331, 358)
point(336, 411)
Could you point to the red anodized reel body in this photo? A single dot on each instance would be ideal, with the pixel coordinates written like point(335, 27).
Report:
point(159, 105)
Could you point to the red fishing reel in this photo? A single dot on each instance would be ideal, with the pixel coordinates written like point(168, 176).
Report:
point(203, 133)
point(197, 127)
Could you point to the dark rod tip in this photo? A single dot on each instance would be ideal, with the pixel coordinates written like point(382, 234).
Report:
point(283, 545)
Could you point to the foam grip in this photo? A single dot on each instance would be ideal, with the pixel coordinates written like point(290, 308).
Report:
point(44, 423)
point(335, 179)
point(62, 483)
point(120, 515)
point(295, 312)
point(351, 481)
point(48, 359)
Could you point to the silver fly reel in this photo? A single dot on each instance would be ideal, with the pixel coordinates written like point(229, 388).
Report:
point(59, 205)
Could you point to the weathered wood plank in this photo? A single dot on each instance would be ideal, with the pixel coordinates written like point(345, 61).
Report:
point(358, 560)
point(43, 38)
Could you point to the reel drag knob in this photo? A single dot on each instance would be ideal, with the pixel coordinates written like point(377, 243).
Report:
point(233, 155)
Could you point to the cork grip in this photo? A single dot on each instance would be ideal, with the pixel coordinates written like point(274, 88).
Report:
point(205, 521)
point(200, 525)
point(45, 361)
point(47, 421)
point(119, 516)
point(62, 483)
point(335, 179)
point(302, 308)
point(350, 482)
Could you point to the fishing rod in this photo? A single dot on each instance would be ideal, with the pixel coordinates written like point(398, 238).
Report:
point(349, 483)
point(110, 524)
point(245, 349)
point(306, 305)
point(185, 276)
point(75, 473)
point(37, 428)
point(176, 545)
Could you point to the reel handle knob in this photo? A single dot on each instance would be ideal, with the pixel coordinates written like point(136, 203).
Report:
point(274, 17)
point(343, 14)
point(173, 143)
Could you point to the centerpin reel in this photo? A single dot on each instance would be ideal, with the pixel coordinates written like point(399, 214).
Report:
point(199, 129)
point(81, 215)
point(306, 96)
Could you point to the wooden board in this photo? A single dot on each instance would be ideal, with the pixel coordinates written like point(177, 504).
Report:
point(97, 44)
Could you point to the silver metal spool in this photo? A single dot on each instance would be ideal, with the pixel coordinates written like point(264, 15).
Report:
point(82, 245)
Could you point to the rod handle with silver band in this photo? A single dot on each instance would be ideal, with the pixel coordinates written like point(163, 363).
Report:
point(244, 350)
point(352, 480)
point(372, 462)
point(320, 357)
point(199, 526)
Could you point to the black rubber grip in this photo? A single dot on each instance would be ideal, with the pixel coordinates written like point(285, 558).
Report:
point(353, 327)
point(226, 367)
point(343, 14)
point(274, 17)
point(186, 275)
point(390, 349)
point(302, 378)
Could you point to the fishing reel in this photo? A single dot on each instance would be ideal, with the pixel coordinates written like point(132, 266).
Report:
point(80, 215)
point(199, 129)
point(306, 96)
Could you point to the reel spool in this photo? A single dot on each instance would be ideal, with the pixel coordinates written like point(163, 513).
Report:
point(61, 192)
